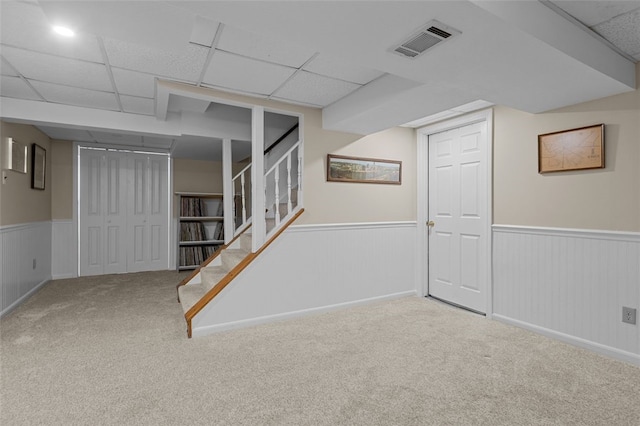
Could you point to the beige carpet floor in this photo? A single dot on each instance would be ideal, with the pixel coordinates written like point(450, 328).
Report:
point(113, 350)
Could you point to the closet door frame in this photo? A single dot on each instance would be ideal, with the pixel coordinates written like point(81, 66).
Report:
point(77, 146)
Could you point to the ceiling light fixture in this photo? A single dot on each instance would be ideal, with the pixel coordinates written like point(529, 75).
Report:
point(63, 31)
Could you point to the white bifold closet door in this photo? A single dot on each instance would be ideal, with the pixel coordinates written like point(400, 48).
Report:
point(123, 212)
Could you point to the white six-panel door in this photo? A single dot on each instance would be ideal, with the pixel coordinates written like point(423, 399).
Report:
point(457, 229)
point(147, 214)
point(103, 214)
point(123, 212)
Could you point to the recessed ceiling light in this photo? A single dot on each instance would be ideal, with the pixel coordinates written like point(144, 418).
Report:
point(64, 31)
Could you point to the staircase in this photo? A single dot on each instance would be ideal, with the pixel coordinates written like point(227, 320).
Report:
point(281, 198)
point(216, 271)
point(220, 269)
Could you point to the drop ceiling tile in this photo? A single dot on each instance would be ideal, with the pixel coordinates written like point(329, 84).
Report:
point(24, 25)
point(595, 12)
point(185, 65)
point(623, 31)
point(134, 83)
point(262, 47)
point(137, 105)
point(248, 75)
point(315, 89)
point(76, 96)
point(204, 31)
point(15, 87)
point(116, 138)
point(67, 134)
point(55, 69)
point(157, 24)
point(331, 67)
point(6, 68)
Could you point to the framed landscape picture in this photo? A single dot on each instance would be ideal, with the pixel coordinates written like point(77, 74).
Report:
point(363, 170)
point(574, 149)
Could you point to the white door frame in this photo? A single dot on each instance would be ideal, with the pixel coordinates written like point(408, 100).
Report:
point(423, 133)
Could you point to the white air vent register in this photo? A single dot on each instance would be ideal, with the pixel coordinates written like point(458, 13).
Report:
point(434, 32)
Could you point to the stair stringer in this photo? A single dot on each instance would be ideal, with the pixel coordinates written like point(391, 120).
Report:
point(292, 278)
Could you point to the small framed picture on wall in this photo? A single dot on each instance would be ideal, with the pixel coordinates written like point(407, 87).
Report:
point(38, 166)
point(341, 168)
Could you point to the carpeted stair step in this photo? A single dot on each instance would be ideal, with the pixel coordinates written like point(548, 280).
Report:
point(211, 275)
point(231, 257)
point(189, 295)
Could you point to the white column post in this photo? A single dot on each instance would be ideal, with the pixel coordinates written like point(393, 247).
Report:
point(258, 225)
point(227, 190)
point(300, 173)
point(289, 205)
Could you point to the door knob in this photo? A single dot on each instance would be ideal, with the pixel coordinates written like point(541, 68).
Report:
point(431, 224)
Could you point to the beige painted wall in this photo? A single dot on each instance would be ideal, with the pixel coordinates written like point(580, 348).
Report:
point(607, 199)
point(338, 202)
point(61, 180)
point(18, 202)
point(197, 176)
point(333, 202)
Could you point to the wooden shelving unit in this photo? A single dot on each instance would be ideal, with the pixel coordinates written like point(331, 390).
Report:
point(200, 228)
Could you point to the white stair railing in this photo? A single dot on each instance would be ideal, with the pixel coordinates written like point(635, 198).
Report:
point(286, 171)
point(240, 191)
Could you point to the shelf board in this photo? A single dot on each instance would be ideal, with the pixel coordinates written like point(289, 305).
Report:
point(200, 194)
point(184, 268)
point(201, 243)
point(200, 218)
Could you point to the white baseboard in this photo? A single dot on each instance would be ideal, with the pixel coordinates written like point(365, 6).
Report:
point(608, 351)
point(63, 276)
point(17, 303)
point(211, 329)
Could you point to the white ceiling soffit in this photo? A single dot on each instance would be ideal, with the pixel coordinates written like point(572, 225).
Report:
point(90, 136)
point(209, 149)
point(545, 24)
point(179, 103)
point(449, 113)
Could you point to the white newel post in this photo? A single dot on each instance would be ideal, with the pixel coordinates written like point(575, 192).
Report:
point(258, 231)
point(227, 190)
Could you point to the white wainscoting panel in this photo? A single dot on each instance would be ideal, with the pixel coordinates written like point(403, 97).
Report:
point(64, 250)
point(570, 284)
point(316, 268)
point(26, 261)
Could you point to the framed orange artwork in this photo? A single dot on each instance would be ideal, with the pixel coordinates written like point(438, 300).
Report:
point(574, 149)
